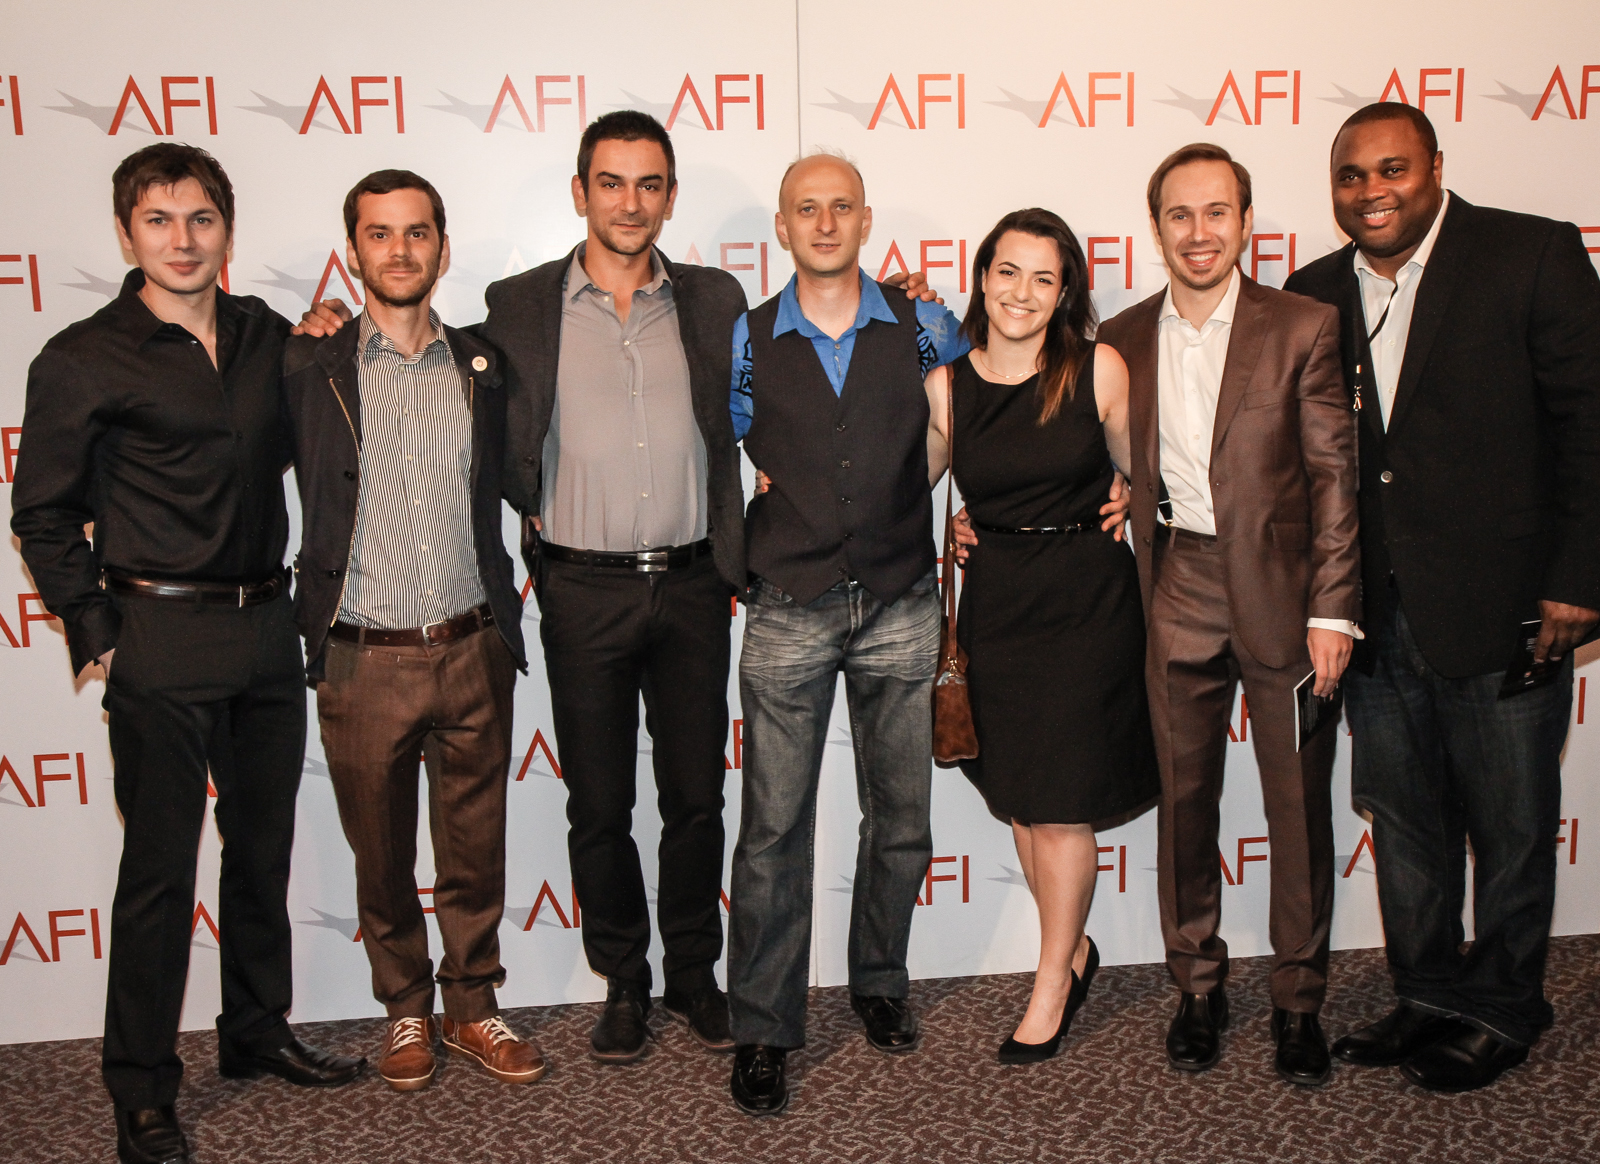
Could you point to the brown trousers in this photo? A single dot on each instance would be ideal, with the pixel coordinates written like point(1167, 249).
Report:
point(1192, 666)
point(380, 709)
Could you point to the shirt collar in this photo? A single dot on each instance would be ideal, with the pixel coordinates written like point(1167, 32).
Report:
point(141, 324)
point(1424, 251)
point(792, 318)
point(371, 335)
point(577, 279)
point(1224, 310)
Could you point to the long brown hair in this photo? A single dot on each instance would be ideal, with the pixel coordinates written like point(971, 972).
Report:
point(1067, 341)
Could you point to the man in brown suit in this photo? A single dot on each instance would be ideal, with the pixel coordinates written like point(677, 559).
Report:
point(1244, 506)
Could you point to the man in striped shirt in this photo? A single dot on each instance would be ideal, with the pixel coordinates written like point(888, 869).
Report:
point(412, 624)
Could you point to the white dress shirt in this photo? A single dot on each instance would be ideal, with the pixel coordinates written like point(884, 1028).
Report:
point(1188, 382)
point(1399, 296)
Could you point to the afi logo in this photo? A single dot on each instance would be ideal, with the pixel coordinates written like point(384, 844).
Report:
point(508, 103)
point(722, 96)
point(1235, 876)
point(41, 777)
point(926, 96)
point(1259, 254)
point(359, 100)
point(1097, 259)
point(738, 747)
point(56, 930)
point(24, 615)
point(311, 290)
point(932, 878)
point(169, 102)
point(724, 250)
point(1119, 866)
point(1558, 82)
point(1096, 89)
point(547, 895)
point(30, 280)
point(539, 743)
point(1265, 90)
point(14, 103)
point(926, 250)
point(8, 452)
point(1243, 734)
point(1394, 88)
point(1568, 836)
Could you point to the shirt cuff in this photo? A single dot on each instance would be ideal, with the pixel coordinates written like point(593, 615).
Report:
point(1343, 625)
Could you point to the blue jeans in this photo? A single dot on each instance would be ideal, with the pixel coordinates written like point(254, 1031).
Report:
point(787, 675)
point(1439, 762)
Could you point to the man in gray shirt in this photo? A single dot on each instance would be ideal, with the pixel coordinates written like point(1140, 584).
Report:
point(620, 454)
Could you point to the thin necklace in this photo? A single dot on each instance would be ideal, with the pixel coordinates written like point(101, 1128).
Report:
point(1002, 375)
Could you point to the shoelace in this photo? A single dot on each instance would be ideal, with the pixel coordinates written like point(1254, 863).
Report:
point(764, 1065)
point(497, 1031)
point(406, 1031)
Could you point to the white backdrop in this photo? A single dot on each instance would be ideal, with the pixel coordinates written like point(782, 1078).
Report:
point(953, 120)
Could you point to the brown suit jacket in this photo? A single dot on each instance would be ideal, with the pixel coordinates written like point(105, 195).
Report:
point(1283, 465)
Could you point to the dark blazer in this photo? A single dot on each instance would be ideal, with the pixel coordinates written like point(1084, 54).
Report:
point(324, 399)
point(1484, 494)
point(1283, 465)
point(525, 323)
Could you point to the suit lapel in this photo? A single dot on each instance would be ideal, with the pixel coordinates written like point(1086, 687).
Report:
point(1143, 360)
point(1248, 335)
point(1439, 280)
point(339, 355)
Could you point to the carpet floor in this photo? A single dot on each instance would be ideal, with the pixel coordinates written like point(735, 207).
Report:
point(1108, 1097)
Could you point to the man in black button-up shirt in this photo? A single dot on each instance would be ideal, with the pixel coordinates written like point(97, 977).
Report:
point(161, 420)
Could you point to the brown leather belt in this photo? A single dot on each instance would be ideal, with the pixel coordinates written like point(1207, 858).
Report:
point(432, 635)
point(645, 561)
point(1176, 533)
point(203, 593)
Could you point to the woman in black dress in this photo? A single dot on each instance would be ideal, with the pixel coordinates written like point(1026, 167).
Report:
point(1050, 611)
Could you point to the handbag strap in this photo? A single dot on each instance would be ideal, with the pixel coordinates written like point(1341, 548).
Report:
point(949, 583)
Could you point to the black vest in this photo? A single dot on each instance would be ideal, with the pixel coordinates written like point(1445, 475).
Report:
point(849, 496)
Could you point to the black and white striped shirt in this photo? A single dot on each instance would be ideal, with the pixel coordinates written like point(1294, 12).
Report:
point(412, 561)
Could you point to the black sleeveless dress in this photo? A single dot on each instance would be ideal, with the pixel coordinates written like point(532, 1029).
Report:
point(1052, 623)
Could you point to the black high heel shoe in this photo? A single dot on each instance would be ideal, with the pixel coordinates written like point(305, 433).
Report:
point(1015, 1053)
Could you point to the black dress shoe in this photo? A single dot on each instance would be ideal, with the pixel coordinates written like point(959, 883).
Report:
point(705, 1013)
point(150, 1135)
point(759, 1087)
point(1194, 1040)
point(1465, 1061)
point(622, 1034)
point(301, 1065)
point(1395, 1037)
point(1015, 1053)
point(891, 1027)
point(1302, 1056)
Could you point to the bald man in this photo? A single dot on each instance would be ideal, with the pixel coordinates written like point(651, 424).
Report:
point(828, 398)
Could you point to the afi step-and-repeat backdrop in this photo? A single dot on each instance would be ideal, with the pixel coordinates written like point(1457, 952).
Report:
point(954, 118)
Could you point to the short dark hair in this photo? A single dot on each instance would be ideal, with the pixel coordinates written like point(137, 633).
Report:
point(624, 125)
point(166, 164)
point(387, 182)
point(1393, 111)
point(1200, 151)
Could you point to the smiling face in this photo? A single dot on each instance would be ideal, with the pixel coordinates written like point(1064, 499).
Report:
point(628, 198)
point(178, 238)
point(1386, 188)
point(397, 251)
point(1200, 229)
point(822, 216)
point(1022, 287)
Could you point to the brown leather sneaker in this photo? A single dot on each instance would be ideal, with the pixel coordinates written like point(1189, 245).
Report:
point(503, 1055)
point(406, 1061)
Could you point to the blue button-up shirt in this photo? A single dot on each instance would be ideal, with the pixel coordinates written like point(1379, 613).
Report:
point(939, 341)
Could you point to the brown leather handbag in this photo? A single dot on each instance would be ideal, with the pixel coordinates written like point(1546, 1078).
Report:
point(954, 737)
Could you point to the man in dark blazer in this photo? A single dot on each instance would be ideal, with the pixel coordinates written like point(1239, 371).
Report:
point(1241, 425)
point(1472, 339)
point(412, 624)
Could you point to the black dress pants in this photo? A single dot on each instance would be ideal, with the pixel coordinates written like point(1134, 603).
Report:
point(610, 636)
point(196, 689)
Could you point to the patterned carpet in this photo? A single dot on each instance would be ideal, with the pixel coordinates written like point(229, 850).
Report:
point(1109, 1097)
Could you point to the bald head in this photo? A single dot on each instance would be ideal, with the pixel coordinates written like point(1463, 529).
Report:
point(829, 168)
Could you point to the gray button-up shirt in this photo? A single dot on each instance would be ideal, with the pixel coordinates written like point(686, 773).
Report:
point(624, 461)
point(412, 561)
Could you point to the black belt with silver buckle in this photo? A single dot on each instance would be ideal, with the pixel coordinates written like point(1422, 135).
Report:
point(204, 593)
point(432, 635)
point(645, 561)
point(1081, 527)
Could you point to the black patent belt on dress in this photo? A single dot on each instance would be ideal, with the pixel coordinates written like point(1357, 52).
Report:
point(432, 635)
point(201, 593)
point(1081, 527)
point(645, 561)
